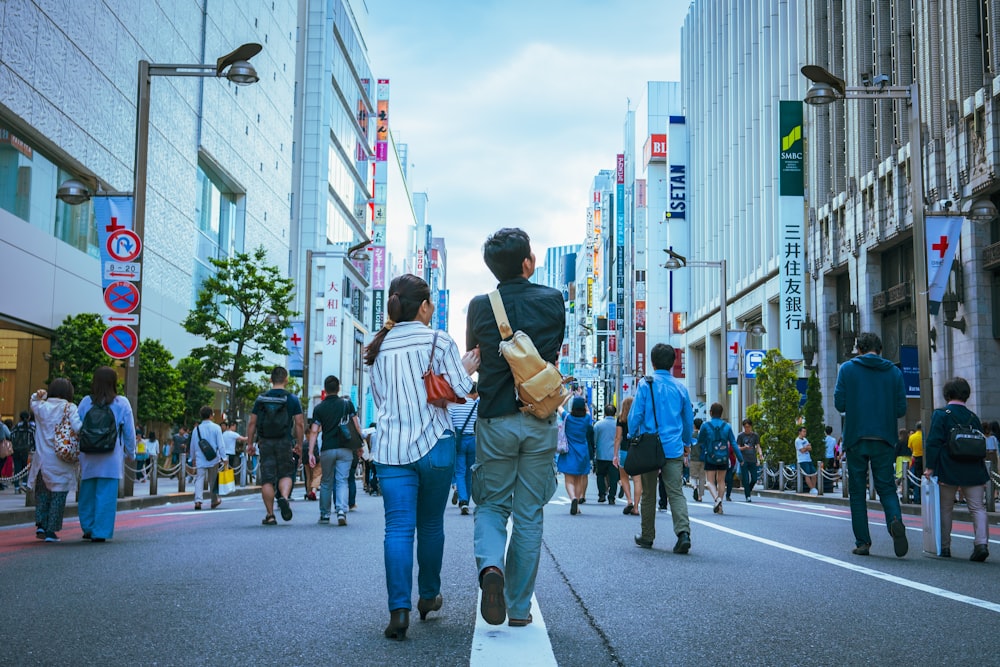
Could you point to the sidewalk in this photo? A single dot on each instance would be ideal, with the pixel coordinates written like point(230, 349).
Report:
point(13, 508)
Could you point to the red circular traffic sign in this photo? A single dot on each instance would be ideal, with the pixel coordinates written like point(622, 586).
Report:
point(121, 297)
point(120, 342)
point(123, 245)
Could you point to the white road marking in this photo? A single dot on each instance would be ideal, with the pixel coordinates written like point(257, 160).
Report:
point(884, 576)
point(504, 646)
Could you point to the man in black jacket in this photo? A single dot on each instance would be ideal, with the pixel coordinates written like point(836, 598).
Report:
point(514, 450)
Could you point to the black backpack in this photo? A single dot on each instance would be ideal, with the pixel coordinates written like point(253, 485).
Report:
point(99, 432)
point(273, 420)
point(22, 437)
point(965, 443)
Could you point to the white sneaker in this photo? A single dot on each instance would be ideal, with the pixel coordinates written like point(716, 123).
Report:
point(813, 492)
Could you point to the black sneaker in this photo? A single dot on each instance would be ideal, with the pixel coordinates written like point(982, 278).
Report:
point(899, 543)
point(324, 519)
point(286, 509)
point(683, 543)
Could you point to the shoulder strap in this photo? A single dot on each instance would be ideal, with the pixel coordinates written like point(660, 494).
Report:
point(652, 401)
point(430, 362)
point(500, 313)
point(469, 416)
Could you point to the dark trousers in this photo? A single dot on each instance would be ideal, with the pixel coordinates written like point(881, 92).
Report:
point(918, 471)
point(663, 490)
point(730, 480)
point(750, 474)
point(879, 456)
point(607, 479)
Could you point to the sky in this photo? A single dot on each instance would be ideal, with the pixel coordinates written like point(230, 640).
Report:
point(510, 108)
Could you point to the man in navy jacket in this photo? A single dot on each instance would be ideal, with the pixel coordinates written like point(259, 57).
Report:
point(871, 395)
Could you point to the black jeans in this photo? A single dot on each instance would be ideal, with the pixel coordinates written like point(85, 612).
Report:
point(750, 474)
point(607, 479)
point(730, 475)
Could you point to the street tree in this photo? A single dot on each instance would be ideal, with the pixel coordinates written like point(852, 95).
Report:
point(812, 412)
point(194, 391)
point(160, 398)
point(241, 312)
point(77, 352)
point(775, 413)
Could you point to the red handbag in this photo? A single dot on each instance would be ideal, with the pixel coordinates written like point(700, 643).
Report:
point(439, 392)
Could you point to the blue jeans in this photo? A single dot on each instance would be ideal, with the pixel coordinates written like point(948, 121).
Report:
point(881, 457)
point(414, 496)
point(464, 460)
point(339, 460)
point(97, 505)
point(514, 474)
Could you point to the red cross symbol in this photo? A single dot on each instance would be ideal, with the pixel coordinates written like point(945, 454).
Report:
point(114, 226)
point(296, 339)
point(941, 246)
point(735, 347)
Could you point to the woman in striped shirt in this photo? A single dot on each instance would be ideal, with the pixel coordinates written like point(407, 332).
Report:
point(413, 446)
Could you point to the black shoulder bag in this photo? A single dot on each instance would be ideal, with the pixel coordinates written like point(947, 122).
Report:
point(965, 443)
point(645, 451)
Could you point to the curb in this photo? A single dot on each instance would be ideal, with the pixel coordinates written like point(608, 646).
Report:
point(27, 514)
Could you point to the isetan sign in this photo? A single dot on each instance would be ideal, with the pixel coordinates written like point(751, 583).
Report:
point(655, 149)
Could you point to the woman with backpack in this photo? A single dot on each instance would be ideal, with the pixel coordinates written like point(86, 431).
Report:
point(51, 477)
point(413, 446)
point(716, 440)
point(955, 470)
point(108, 432)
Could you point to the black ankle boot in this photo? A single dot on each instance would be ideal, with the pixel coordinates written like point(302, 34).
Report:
point(399, 621)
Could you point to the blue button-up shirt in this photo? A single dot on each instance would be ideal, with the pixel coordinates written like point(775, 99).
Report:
point(674, 416)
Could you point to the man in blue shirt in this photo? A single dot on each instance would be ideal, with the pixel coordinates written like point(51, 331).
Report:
point(604, 467)
point(674, 422)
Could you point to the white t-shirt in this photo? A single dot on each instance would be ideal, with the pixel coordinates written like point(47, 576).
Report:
point(803, 457)
point(229, 439)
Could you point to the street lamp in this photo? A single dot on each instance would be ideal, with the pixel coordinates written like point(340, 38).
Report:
point(676, 261)
point(234, 66)
point(829, 88)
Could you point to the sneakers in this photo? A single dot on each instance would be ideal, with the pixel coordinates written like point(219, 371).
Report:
point(52, 537)
point(341, 519)
point(465, 509)
point(286, 509)
point(683, 543)
point(324, 519)
point(814, 492)
point(601, 499)
point(899, 543)
point(493, 606)
point(718, 506)
point(454, 500)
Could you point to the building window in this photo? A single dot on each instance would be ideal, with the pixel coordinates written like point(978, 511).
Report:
point(221, 219)
point(28, 184)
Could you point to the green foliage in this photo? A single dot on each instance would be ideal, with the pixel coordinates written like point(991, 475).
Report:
point(194, 390)
point(76, 351)
point(813, 414)
point(241, 313)
point(777, 410)
point(160, 397)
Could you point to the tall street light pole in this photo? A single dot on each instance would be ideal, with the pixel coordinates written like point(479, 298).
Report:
point(829, 88)
point(233, 66)
point(677, 261)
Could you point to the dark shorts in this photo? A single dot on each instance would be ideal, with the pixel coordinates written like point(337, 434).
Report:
point(716, 466)
point(275, 460)
point(808, 467)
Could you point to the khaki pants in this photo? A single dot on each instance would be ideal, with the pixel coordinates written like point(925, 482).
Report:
point(673, 481)
point(698, 473)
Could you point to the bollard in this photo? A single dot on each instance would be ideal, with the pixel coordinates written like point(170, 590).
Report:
point(905, 486)
point(820, 479)
point(844, 492)
point(991, 503)
point(154, 474)
point(798, 478)
point(243, 469)
point(781, 476)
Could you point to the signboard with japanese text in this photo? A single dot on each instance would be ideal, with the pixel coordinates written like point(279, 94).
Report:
point(121, 273)
point(791, 215)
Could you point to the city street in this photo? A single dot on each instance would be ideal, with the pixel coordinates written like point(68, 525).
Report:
point(772, 582)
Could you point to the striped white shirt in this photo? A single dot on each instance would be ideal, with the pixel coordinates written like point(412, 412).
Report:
point(459, 412)
point(406, 426)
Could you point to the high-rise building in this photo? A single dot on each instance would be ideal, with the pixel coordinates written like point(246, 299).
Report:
point(219, 161)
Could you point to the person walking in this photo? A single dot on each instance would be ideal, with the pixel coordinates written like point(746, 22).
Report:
point(631, 491)
point(697, 466)
point(956, 473)
point(514, 449)
point(22, 440)
point(276, 414)
point(50, 477)
point(871, 395)
point(413, 445)
point(575, 464)
point(332, 416)
point(312, 473)
point(100, 472)
point(604, 454)
point(463, 420)
point(748, 443)
point(673, 421)
point(717, 443)
point(207, 452)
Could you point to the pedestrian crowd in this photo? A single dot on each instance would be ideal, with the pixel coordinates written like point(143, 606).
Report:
point(494, 448)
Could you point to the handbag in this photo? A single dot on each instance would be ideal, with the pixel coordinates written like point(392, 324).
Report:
point(439, 392)
point(66, 443)
point(205, 445)
point(6, 449)
point(562, 444)
point(227, 481)
point(964, 442)
point(645, 451)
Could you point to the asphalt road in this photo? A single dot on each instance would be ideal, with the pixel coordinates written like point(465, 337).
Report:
point(768, 583)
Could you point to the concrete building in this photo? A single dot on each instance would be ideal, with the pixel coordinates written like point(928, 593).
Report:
point(861, 242)
point(219, 167)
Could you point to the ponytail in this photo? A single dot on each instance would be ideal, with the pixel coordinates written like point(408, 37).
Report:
point(406, 293)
